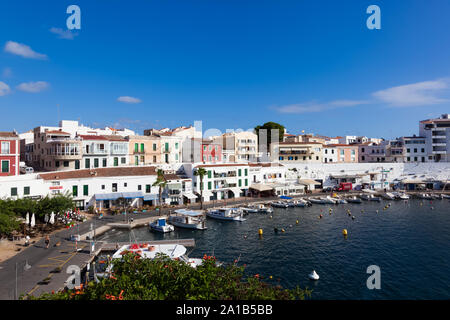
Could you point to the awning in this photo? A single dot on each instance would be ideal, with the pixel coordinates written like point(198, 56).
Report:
point(150, 197)
point(189, 212)
point(190, 195)
point(260, 187)
point(308, 182)
point(117, 195)
point(413, 182)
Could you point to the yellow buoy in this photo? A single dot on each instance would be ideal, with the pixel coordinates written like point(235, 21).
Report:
point(260, 232)
point(344, 232)
point(270, 277)
point(296, 222)
point(282, 230)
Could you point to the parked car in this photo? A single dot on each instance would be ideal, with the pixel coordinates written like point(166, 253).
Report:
point(330, 189)
point(26, 170)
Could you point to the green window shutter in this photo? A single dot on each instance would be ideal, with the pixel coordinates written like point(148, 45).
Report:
point(104, 162)
point(240, 182)
point(240, 172)
point(209, 174)
point(142, 147)
point(136, 147)
point(246, 172)
point(246, 182)
point(95, 163)
point(85, 190)
point(209, 185)
point(87, 163)
point(77, 164)
point(13, 191)
point(26, 190)
point(136, 160)
point(5, 166)
point(75, 191)
point(147, 188)
point(154, 147)
point(116, 162)
point(167, 146)
point(176, 145)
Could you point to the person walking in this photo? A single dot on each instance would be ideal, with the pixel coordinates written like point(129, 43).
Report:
point(47, 241)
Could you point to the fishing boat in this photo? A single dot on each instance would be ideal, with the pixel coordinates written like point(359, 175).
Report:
point(279, 204)
point(291, 204)
point(161, 225)
point(188, 219)
point(435, 196)
point(370, 197)
point(354, 199)
point(388, 196)
point(302, 203)
point(339, 200)
point(328, 200)
point(230, 214)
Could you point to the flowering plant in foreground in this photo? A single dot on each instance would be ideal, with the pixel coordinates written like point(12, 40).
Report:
point(165, 279)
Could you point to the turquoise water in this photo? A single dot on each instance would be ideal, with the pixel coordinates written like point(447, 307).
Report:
point(408, 241)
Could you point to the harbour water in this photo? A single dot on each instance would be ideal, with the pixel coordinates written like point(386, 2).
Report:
point(409, 241)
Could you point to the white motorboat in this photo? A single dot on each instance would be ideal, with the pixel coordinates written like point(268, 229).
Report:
point(354, 199)
point(189, 219)
point(279, 204)
point(445, 196)
point(161, 225)
point(317, 200)
point(263, 209)
point(148, 251)
point(388, 196)
point(250, 209)
point(313, 275)
point(370, 197)
point(291, 203)
point(401, 196)
point(328, 200)
point(424, 196)
point(339, 201)
point(302, 203)
point(435, 196)
point(230, 214)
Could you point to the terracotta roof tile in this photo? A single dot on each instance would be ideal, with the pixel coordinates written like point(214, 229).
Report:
point(8, 134)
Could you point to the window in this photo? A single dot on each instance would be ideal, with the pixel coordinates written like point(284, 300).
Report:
point(66, 163)
point(75, 191)
point(56, 163)
point(13, 192)
point(77, 164)
point(87, 163)
point(125, 184)
point(136, 160)
point(317, 157)
point(5, 147)
point(362, 149)
point(240, 172)
point(26, 190)
point(326, 151)
point(116, 161)
point(103, 187)
point(209, 185)
point(415, 150)
point(176, 156)
point(245, 172)
point(176, 145)
point(342, 152)
point(136, 147)
point(123, 160)
point(139, 187)
point(147, 188)
point(85, 190)
point(154, 158)
point(96, 163)
point(104, 162)
point(154, 147)
point(408, 150)
point(114, 187)
point(209, 174)
point(240, 182)
point(246, 182)
point(5, 166)
point(422, 150)
point(142, 147)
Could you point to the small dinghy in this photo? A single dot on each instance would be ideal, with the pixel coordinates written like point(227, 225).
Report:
point(313, 275)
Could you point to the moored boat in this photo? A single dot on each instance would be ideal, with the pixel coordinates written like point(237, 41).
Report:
point(279, 204)
point(161, 225)
point(230, 214)
point(188, 219)
point(354, 199)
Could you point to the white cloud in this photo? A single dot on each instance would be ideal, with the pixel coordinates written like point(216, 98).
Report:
point(33, 87)
point(127, 99)
point(23, 50)
point(63, 34)
point(416, 94)
point(318, 107)
point(4, 89)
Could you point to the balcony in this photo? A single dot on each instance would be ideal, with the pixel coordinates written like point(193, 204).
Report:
point(166, 150)
point(62, 156)
point(288, 152)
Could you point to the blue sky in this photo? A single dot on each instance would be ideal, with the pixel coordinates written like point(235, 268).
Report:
point(309, 65)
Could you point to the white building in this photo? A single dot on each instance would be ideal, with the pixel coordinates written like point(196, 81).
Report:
point(437, 138)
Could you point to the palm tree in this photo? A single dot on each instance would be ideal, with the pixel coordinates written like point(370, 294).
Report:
point(161, 183)
point(201, 172)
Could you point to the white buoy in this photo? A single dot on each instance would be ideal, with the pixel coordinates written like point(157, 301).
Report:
point(313, 275)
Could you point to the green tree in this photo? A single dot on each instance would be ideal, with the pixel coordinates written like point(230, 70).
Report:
point(201, 172)
point(165, 279)
point(269, 126)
